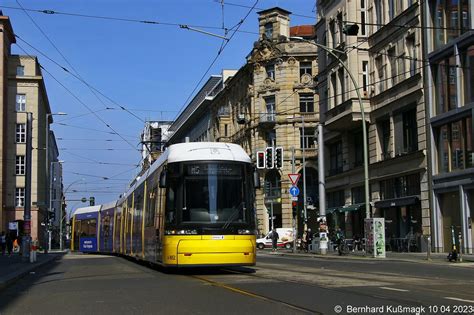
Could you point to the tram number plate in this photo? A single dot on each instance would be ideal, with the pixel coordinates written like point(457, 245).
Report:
point(218, 237)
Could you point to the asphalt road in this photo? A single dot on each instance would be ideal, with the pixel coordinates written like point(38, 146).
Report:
point(93, 284)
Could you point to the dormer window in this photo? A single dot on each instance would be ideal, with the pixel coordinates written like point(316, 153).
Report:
point(269, 30)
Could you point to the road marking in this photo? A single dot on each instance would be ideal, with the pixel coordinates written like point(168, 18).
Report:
point(457, 299)
point(394, 289)
point(254, 295)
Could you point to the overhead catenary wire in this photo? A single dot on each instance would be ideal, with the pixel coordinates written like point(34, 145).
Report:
point(81, 102)
point(217, 56)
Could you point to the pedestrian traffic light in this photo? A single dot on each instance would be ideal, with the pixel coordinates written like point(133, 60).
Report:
point(91, 201)
point(279, 157)
point(51, 215)
point(260, 159)
point(294, 208)
point(269, 157)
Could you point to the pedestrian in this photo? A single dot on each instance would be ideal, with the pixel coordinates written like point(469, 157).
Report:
point(9, 242)
point(309, 238)
point(3, 242)
point(275, 238)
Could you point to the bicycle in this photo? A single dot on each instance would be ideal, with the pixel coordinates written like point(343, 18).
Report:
point(342, 247)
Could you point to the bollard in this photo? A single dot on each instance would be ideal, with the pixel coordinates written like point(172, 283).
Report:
point(460, 246)
point(33, 251)
point(428, 248)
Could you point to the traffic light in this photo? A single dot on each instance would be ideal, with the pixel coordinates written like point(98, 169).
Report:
point(269, 157)
point(350, 29)
point(91, 201)
point(279, 157)
point(51, 215)
point(260, 159)
point(294, 208)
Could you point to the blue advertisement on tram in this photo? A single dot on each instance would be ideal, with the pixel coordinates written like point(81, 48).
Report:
point(88, 244)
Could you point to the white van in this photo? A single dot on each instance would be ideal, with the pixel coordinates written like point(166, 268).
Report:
point(285, 239)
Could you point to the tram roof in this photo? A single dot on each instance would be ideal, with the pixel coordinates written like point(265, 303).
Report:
point(204, 151)
point(87, 209)
point(109, 205)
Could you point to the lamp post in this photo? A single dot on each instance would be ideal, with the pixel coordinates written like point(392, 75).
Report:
point(46, 127)
point(331, 51)
point(26, 240)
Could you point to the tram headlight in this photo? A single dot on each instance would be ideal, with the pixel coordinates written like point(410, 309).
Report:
point(181, 232)
point(245, 232)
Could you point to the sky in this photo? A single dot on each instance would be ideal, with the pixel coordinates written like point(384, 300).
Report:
point(122, 73)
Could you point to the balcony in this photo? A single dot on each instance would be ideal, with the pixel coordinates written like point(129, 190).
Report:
point(267, 120)
point(346, 116)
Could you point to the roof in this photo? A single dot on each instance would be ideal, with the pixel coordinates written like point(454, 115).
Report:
point(108, 205)
point(303, 31)
point(87, 209)
point(274, 9)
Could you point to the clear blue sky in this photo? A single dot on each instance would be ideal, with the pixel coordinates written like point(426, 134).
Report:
point(149, 69)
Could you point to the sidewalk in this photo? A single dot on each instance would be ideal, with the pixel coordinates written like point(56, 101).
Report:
point(438, 258)
point(14, 268)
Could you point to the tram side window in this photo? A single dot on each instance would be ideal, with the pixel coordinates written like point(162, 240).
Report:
point(171, 203)
point(151, 207)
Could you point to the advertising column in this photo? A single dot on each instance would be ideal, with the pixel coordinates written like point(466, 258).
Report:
point(375, 237)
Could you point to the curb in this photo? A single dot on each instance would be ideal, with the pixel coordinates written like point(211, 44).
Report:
point(328, 257)
point(11, 279)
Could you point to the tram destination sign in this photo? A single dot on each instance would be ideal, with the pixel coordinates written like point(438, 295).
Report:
point(214, 169)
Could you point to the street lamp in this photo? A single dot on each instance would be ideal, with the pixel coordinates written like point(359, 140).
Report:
point(46, 127)
point(322, 211)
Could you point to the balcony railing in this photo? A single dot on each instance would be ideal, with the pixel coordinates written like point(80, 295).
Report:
point(267, 117)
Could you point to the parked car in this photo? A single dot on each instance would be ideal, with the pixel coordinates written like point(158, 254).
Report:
point(285, 239)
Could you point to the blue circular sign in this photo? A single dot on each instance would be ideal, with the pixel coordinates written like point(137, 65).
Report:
point(294, 191)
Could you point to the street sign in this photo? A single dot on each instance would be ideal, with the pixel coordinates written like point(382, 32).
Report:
point(294, 198)
point(294, 178)
point(294, 191)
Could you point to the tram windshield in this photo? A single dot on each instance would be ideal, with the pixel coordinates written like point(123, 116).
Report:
point(217, 194)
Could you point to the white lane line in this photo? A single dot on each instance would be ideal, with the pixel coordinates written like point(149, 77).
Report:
point(460, 300)
point(394, 289)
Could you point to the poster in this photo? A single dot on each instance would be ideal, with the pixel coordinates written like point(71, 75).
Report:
point(375, 237)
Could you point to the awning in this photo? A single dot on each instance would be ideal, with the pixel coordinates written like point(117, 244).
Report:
point(331, 210)
point(348, 208)
point(397, 202)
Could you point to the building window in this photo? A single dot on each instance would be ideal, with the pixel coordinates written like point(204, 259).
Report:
point(340, 74)
point(450, 19)
point(225, 130)
point(334, 90)
point(358, 194)
point(335, 158)
point(269, 115)
point(363, 13)
point(306, 103)
point(391, 9)
point(446, 83)
point(358, 149)
point(455, 145)
point(336, 198)
point(269, 30)
point(410, 132)
point(392, 57)
point(270, 70)
point(20, 71)
point(20, 197)
point(332, 31)
point(20, 135)
point(20, 102)
point(379, 64)
point(307, 139)
point(20, 165)
point(378, 14)
point(365, 76)
point(384, 136)
point(306, 68)
point(410, 42)
point(468, 68)
point(400, 187)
